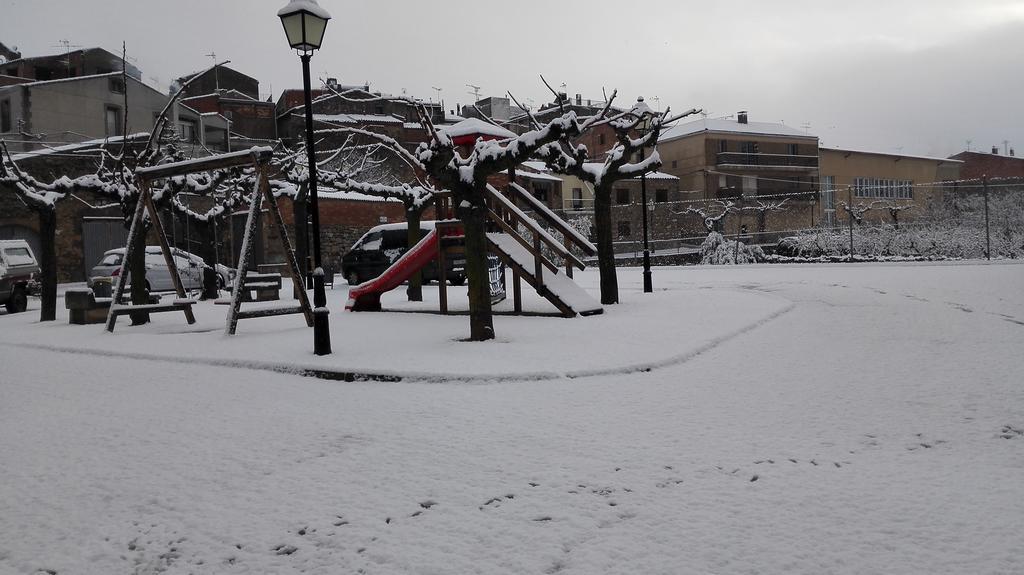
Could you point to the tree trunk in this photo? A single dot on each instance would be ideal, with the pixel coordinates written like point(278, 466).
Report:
point(415, 289)
point(137, 269)
point(481, 323)
point(605, 248)
point(208, 251)
point(48, 263)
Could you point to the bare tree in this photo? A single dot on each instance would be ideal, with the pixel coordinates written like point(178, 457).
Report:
point(763, 207)
point(562, 157)
point(712, 214)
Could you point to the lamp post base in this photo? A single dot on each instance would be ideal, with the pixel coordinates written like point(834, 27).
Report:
point(321, 316)
point(648, 285)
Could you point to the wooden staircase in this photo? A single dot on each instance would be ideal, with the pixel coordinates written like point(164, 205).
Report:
point(521, 245)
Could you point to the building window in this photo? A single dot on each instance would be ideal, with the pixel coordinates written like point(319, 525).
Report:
point(117, 85)
point(577, 199)
point(883, 188)
point(828, 193)
point(621, 196)
point(623, 228)
point(749, 186)
point(674, 164)
point(748, 147)
point(661, 196)
point(379, 110)
point(5, 116)
point(793, 149)
point(187, 130)
point(723, 146)
point(113, 121)
point(600, 139)
point(541, 193)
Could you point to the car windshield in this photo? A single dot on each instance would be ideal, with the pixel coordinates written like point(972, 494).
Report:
point(18, 257)
point(111, 260)
point(370, 242)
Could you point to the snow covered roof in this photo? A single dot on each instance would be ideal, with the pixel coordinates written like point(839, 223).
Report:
point(478, 127)
point(933, 158)
point(354, 196)
point(79, 146)
point(39, 83)
point(358, 119)
point(538, 176)
point(724, 125)
point(308, 5)
point(542, 167)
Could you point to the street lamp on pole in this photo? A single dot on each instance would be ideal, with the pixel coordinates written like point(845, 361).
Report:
point(644, 126)
point(304, 24)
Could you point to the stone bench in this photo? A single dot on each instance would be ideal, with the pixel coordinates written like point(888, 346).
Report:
point(261, 287)
point(85, 307)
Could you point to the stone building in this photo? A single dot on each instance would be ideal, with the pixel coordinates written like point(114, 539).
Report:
point(235, 97)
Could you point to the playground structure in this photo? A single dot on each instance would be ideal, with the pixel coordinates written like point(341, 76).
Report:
point(517, 239)
point(259, 159)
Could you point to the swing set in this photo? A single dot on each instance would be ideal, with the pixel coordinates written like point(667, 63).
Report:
point(259, 159)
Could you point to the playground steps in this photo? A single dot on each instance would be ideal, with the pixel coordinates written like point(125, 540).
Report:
point(555, 286)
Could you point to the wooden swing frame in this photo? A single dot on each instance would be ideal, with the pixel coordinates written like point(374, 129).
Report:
point(259, 159)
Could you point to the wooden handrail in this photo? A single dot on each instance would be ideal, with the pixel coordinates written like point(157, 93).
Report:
point(539, 232)
point(570, 233)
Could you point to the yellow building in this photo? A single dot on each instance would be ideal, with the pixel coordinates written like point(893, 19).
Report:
point(893, 186)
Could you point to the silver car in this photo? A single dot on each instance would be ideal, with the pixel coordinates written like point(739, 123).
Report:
point(158, 277)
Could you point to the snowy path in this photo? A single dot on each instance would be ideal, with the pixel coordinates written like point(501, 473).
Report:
point(877, 427)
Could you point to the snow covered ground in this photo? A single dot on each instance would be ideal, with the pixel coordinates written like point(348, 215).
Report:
point(763, 419)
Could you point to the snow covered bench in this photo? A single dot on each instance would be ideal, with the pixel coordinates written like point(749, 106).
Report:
point(85, 307)
point(261, 287)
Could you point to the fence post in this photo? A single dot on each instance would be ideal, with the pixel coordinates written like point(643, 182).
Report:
point(988, 237)
point(849, 216)
point(739, 226)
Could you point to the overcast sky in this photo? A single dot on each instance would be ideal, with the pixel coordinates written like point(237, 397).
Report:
point(917, 76)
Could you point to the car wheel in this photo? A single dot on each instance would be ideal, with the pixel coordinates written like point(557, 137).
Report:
point(18, 302)
point(457, 280)
point(353, 279)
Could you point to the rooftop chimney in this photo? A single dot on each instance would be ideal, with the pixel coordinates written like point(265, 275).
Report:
point(995, 150)
point(1011, 152)
point(741, 117)
point(579, 99)
point(332, 82)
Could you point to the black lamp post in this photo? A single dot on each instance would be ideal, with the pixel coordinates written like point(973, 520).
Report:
point(304, 24)
point(644, 126)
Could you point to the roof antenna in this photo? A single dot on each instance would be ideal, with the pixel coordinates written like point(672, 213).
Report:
point(475, 92)
point(67, 45)
point(216, 75)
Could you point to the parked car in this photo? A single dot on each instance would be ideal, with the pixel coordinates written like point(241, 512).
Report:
point(18, 268)
point(383, 245)
point(158, 277)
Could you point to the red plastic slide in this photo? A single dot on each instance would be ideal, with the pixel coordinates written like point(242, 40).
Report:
point(366, 296)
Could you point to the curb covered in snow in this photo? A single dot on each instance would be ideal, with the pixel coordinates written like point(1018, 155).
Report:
point(395, 377)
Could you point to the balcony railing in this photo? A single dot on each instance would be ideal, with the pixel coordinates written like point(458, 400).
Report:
point(756, 159)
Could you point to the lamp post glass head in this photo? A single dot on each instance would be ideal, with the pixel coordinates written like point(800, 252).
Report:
point(304, 24)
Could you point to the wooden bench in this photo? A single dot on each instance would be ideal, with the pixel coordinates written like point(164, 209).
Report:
point(85, 307)
point(261, 287)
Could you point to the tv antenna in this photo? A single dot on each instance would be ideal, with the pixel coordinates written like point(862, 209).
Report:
point(438, 90)
point(969, 145)
point(475, 92)
point(216, 76)
point(67, 45)
point(807, 127)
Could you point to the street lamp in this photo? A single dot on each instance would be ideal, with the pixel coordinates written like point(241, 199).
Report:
point(644, 126)
point(304, 24)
